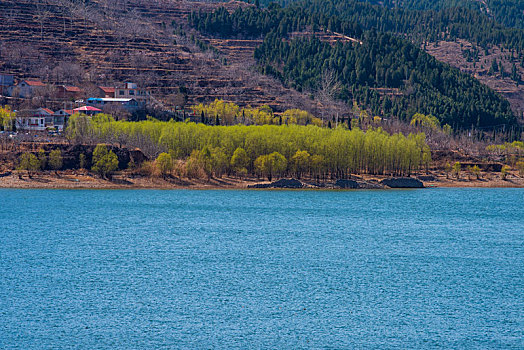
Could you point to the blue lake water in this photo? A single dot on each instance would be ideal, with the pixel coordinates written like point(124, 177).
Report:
point(434, 268)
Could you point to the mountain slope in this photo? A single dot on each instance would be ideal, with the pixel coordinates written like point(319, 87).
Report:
point(148, 42)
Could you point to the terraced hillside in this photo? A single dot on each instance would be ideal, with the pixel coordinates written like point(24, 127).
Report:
point(149, 42)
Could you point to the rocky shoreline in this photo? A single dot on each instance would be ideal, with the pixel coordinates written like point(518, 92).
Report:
point(72, 180)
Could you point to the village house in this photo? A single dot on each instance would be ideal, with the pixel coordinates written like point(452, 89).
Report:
point(7, 83)
point(34, 119)
point(131, 90)
point(129, 104)
point(61, 117)
point(27, 88)
point(87, 110)
point(68, 92)
point(106, 92)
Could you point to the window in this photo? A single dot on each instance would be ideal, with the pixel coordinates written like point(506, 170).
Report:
point(121, 92)
point(131, 92)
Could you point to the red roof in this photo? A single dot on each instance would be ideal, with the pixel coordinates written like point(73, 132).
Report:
point(47, 110)
point(72, 89)
point(66, 111)
point(107, 90)
point(87, 108)
point(34, 83)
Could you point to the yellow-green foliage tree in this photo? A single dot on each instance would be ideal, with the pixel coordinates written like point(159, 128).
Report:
point(29, 162)
point(456, 169)
point(476, 171)
point(338, 151)
point(164, 164)
point(427, 121)
point(510, 151)
point(231, 114)
point(240, 161)
point(7, 118)
point(226, 111)
point(42, 158)
point(301, 163)
point(105, 162)
point(271, 165)
point(56, 160)
point(300, 117)
point(219, 161)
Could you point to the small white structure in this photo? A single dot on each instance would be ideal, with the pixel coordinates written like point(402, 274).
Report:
point(130, 104)
point(131, 90)
point(34, 120)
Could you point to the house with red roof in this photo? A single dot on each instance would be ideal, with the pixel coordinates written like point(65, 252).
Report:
point(34, 119)
point(68, 92)
point(106, 92)
point(27, 88)
point(87, 110)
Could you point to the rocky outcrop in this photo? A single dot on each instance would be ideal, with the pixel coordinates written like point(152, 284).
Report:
point(370, 185)
point(349, 184)
point(282, 183)
point(402, 182)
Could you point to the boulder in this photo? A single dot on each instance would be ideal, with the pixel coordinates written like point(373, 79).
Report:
point(370, 185)
point(282, 183)
point(347, 184)
point(287, 183)
point(402, 182)
point(426, 178)
point(259, 186)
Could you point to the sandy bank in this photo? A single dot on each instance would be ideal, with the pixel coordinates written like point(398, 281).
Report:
point(86, 181)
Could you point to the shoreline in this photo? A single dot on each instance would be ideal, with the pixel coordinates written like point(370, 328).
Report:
point(120, 182)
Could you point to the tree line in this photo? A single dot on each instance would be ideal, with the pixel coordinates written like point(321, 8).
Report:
point(381, 61)
point(266, 150)
point(425, 20)
point(384, 61)
point(220, 112)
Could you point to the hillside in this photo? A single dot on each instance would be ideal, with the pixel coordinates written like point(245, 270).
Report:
point(370, 63)
point(159, 45)
point(148, 42)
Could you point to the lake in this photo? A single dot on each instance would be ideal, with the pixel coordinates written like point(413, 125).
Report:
point(147, 269)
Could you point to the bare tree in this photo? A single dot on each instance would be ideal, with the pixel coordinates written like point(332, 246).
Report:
point(328, 88)
point(42, 14)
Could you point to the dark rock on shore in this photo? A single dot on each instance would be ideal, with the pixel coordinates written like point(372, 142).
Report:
point(370, 185)
point(402, 182)
point(347, 184)
point(426, 178)
point(282, 183)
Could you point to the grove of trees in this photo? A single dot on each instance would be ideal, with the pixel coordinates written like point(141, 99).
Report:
point(266, 150)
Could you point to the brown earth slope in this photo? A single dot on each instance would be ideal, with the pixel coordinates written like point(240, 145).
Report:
point(148, 42)
point(454, 53)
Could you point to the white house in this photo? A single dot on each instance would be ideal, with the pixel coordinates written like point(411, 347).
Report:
point(34, 120)
point(131, 90)
point(130, 104)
